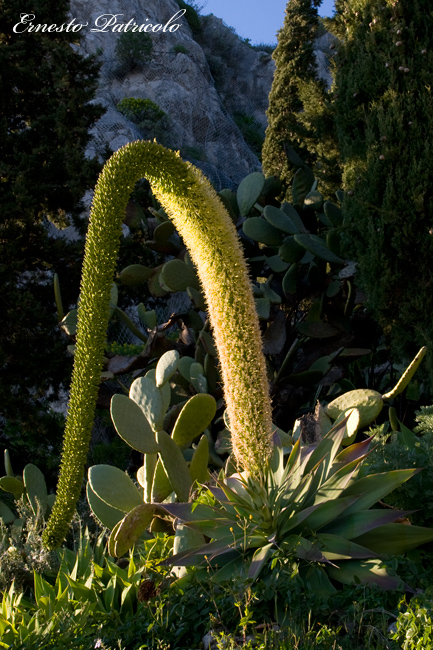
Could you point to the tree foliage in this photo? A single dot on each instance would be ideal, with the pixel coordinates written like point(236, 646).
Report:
point(384, 119)
point(295, 63)
point(46, 88)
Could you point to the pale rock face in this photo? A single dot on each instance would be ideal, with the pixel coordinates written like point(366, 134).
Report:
point(200, 90)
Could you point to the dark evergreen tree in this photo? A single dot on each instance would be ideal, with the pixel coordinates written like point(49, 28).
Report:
point(45, 115)
point(384, 115)
point(295, 63)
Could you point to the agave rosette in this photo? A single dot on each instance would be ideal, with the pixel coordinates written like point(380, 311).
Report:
point(312, 507)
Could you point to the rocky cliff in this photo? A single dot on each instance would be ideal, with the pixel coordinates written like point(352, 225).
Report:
point(206, 81)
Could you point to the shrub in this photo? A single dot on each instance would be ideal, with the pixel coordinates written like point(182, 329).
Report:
point(251, 130)
point(180, 49)
point(150, 119)
point(396, 452)
point(133, 50)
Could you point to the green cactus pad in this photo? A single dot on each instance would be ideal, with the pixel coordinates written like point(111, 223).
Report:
point(106, 514)
point(368, 402)
point(290, 280)
point(69, 323)
point(197, 298)
point(131, 424)
point(317, 247)
point(161, 486)
point(273, 297)
point(333, 213)
point(314, 201)
point(148, 397)
point(166, 367)
point(58, 298)
point(148, 318)
point(163, 232)
point(132, 527)
point(6, 514)
point(7, 462)
point(134, 275)
point(209, 344)
point(261, 231)
point(263, 307)
point(174, 465)
point(333, 240)
point(154, 284)
point(198, 467)
point(177, 276)
point(249, 191)
point(406, 376)
point(280, 220)
point(114, 487)
point(165, 391)
point(302, 183)
point(211, 373)
point(184, 367)
point(12, 484)
point(230, 203)
point(194, 418)
point(276, 264)
point(36, 487)
point(291, 212)
point(290, 251)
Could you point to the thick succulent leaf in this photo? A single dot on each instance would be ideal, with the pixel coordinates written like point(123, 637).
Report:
point(110, 545)
point(406, 376)
point(259, 560)
point(114, 487)
point(355, 451)
point(395, 539)
point(161, 486)
point(276, 462)
point(302, 548)
point(280, 220)
point(371, 489)
point(359, 523)
point(334, 486)
point(292, 472)
point(328, 447)
point(12, 484)
point(166, 367)
point(326, 512)
point(231, 567)
point(300, 494)
point(146, 474)
point(132, 425)
point(132, 526)
point(364, 572)
point(337, 548)
point(175, 465)
point(286, 520)
point(249, 191)
point(106, 514)
point(36, 487)
point(194, 418)
point(6, 514)
point(198, 466)
point(200, 554)
point(148, 397)
point(192, 512)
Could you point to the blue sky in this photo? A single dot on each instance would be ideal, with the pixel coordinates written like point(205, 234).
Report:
point(258, 20)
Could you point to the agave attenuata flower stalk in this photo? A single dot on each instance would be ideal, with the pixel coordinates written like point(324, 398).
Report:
point(210, 236)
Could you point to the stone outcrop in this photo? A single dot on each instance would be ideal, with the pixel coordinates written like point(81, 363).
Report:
point(199, 80)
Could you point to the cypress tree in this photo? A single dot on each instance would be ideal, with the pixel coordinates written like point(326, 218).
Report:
point(384, 116)
point(295, 62)
point(45, 116)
